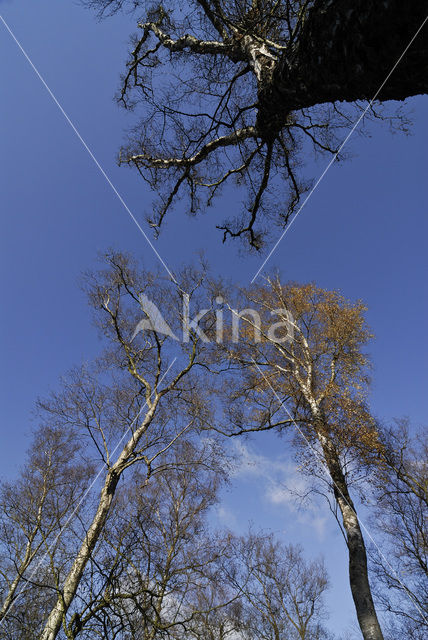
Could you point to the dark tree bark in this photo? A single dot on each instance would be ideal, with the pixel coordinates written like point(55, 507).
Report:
point(237, 90)
point(345, 52)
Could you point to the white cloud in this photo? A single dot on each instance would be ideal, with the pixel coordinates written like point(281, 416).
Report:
point(282, 485)
point(319, 524)
point(279, 495)
point(249, 462)
point(226, 516)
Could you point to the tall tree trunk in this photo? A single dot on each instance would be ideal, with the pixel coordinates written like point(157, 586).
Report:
point(71, 584)
point(344, 52)
point(358, 572)
point(9, 599)
point(29, 556)
point(56, 616)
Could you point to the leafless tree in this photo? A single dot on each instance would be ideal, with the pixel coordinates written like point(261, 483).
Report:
point(157, 554)
point(134, 404)
point(34, 509)
point(234, 90)
point(282, 593)
point(264, 589)
point(316, 381)
point(400, 519)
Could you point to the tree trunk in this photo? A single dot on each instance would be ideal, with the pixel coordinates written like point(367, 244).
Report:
point(56, 616)
point(10, 597)
point(358, 572)
point(344, 52)
point(71, 584)
point(29, 556)
point(14, 586)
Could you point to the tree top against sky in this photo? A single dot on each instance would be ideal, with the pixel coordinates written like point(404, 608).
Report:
point(236, 90)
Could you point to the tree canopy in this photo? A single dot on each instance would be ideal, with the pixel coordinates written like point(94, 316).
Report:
point(235, 90)
point(143, 425)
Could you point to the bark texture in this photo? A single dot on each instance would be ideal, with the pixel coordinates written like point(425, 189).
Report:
point(242, 105)
point(358, 571)
point(71, 584)
point(56, 616)
point(344, 52)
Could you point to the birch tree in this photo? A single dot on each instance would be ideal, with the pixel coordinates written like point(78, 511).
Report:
point(313, 379)
point(133, 405)
point(282, 592)
point(34, 509)
point(235, 91)
point(400, 504)
point(265, 589)
point(158, 553)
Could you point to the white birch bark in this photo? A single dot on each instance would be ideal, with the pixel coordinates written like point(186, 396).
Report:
point(72, 581)
point(358, 571)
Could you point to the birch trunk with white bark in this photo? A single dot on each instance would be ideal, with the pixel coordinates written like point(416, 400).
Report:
point(72, 581)
point(29, 555)
point(9, 599)
point(358, 571)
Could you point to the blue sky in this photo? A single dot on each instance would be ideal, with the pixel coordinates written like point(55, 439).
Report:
point(364, 231)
